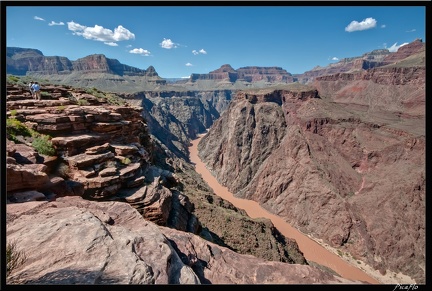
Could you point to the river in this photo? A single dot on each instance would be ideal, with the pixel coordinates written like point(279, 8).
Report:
point(310, 248)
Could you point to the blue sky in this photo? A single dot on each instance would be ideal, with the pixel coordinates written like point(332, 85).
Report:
point(180, 40)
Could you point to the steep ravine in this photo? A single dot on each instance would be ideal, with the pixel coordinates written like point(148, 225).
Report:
point(312, 250)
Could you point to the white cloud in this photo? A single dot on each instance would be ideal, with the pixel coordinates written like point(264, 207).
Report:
point(111, 43)
point(395, 47)
point(38, 18)
point(363, 25)
point(412, 30)
point(201, 51)
point(383, 26)
point(55, 23)
point(335, 59)
point(140, 51)
point(167, 44)
point(100, 33)
point(188, 65)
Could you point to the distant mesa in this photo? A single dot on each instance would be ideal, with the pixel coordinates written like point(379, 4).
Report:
point(246, 74)
point(21, 61)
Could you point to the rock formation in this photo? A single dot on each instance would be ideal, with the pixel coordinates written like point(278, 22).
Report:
point(343, 160)
point(72, 241)
point(111, 197)
point(91, 71)
point(246, 74)
point(374, 59)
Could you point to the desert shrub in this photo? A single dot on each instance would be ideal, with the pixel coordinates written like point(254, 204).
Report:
point(14, 127)
point(14, 258)
point(63, 170)
point(126, 161)
point(45, 94)
point(115, 100)
point(42, 143)
point(61, 107)
point(83, 102)
point(13, 79)
point(13, 112)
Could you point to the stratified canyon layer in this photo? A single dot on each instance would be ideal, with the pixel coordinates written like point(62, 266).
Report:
point(341, 159)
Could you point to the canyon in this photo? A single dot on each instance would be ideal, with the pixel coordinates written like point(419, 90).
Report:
point(338, 153)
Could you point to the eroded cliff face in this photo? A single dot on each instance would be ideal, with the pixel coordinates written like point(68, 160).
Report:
point(349, 174)
point(176, 117)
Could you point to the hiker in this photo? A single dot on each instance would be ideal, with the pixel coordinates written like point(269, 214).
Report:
point(36, 90)
point(31, 89)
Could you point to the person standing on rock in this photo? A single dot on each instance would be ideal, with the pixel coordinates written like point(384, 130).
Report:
point(31, 89)
point(36, 90)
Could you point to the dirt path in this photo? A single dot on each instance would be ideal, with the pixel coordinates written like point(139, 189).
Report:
point(311, 249)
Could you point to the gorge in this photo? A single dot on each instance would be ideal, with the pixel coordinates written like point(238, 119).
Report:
point(340, 154)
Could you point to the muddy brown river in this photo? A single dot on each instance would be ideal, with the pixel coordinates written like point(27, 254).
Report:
point(310, 248)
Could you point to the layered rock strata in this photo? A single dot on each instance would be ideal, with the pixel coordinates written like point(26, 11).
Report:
point(352, 176)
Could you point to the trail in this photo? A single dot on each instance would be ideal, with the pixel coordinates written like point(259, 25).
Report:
point(310, 248)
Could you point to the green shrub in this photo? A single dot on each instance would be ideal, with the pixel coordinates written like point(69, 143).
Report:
point(63, 170)
point(14, 127)
point(126, 161)
point(43, 145)
point(45, 94)
point(41, 142)
point(13, 79)
point(83, 102)
point(13, 112)
point(14, 258)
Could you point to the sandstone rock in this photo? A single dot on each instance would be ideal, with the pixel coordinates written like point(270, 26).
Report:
point(75, 241)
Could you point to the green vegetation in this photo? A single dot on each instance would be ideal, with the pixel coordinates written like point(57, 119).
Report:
point(14, 258)
point(21, 80)
point(108, 97)
point(45, 94)
point(13, 112)
point(115, 100)
point(63, 170)
point(126, 161)
point(83, 102)
point(40, 142)
point(14, 128)
point(13, 79)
